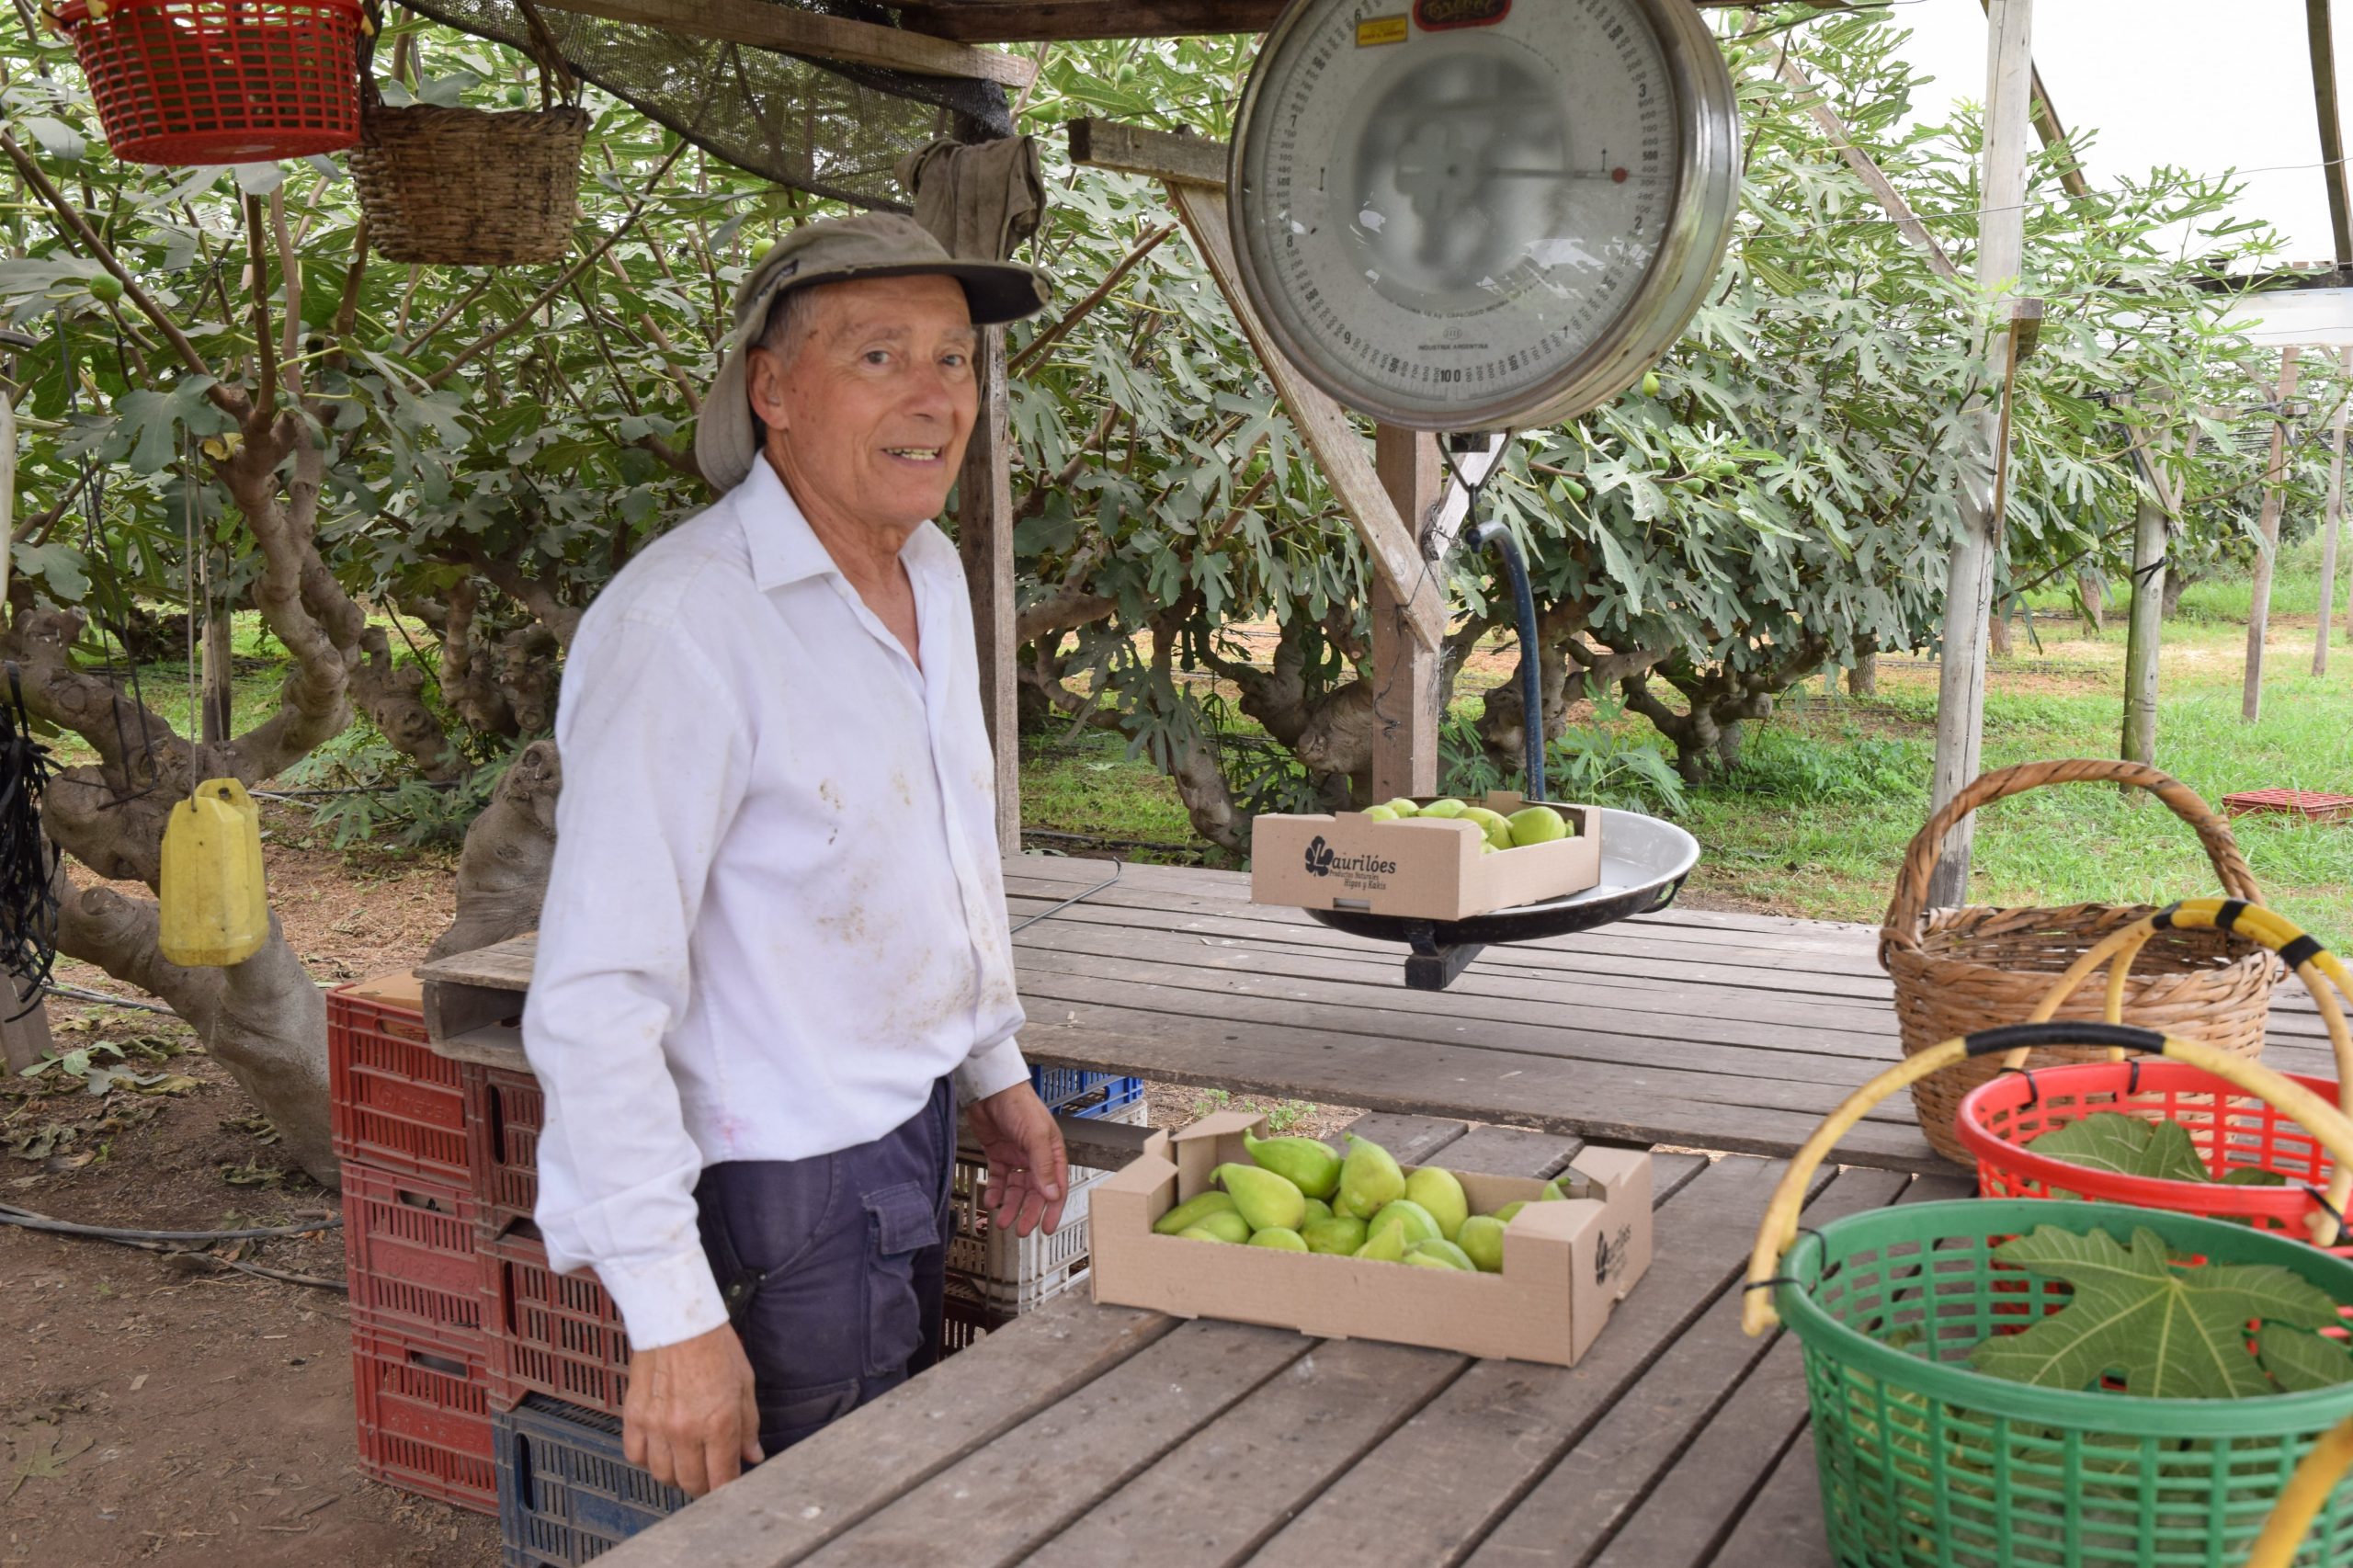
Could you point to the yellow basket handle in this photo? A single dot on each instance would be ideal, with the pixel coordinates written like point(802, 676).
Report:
point(1780, 1231)
point(2291, 1517)
point(2322, 973)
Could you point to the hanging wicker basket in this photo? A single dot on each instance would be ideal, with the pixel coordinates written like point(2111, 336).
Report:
point(468, 187)
point(1960, 971)
point(219, 80)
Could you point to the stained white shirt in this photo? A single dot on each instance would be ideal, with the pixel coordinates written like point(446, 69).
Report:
point(776, 913)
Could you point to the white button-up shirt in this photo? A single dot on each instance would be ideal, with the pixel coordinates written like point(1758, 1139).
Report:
point(775, 915)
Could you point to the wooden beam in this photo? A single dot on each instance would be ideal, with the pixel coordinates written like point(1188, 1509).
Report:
point(1889, 197)
point(1039, 21)
point(984, 539)
point(2046, 126)
point(791, 30)
point(2332, 522)
point(1974, 564)
point(1405, 675)
point(1157, 154)
point(2258, 620)
point(2323, 50)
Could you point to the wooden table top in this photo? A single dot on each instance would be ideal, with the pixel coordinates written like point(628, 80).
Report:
point(1714, 1030)
point(1086, 1436)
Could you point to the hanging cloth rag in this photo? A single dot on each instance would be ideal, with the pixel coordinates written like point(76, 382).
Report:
point(980, 199)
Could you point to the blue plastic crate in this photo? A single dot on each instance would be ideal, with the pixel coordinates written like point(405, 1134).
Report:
point(564, 1492)
point(1061, 1087)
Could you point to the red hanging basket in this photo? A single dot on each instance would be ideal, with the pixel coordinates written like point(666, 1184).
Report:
point(220, 80)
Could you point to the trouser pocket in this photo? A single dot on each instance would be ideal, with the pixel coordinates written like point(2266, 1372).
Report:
point(902, 1221)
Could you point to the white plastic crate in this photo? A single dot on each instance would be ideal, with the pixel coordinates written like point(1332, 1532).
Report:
point(1020, 1273)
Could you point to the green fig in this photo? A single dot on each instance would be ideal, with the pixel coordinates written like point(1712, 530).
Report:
point(1333, 1234)
point(1482, 1241)
point(1536, 825)
point(1308, 1164)
point(1200, 1234)
point(1316, 1209)
point(1379, 813)
point(1438, 1191)
point(1226, 1227)
point(1449, 807)
point(1268, 1201)
point(1552, 1193)
point(1192, 1211)
point(1279, 1238)
point(1403, 806)
point(1439, 1255)
point(1419, 1222)
point(1507, 1210)
point(1368, 1179)
point(1650, 383)
point(1492, 823)
point(1388, 1246)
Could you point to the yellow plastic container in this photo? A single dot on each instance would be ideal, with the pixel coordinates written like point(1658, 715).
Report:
point(215, 912)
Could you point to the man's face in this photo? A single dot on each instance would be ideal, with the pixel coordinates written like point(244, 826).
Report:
point(868, 412)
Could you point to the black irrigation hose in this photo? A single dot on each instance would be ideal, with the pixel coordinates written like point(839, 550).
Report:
point(11, 1215)
point(27, 858)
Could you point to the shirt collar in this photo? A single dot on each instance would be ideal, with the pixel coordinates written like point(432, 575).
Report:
point(786, 549)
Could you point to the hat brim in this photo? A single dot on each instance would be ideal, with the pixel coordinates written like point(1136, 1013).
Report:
point(995, 292)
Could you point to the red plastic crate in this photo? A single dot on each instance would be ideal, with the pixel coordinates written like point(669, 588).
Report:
point(553, 1334)
point(409, 1246)
point(395, 1104)
point(505, 1127)
point(424, 1417)
point(2311, 804)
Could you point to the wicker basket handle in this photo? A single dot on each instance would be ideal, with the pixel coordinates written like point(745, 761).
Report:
point(1778, 1232)
point(1909, 910)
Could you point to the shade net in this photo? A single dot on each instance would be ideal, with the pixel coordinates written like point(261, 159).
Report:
point(827, 128)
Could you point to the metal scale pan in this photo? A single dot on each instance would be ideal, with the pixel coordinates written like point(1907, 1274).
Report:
point(1643, 862)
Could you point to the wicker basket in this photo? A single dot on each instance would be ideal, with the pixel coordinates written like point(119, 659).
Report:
point(469, 186)
point(1960, 971)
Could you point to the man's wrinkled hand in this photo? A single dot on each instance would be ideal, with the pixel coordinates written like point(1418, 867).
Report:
point(690, 1416)
point(1029, 1172)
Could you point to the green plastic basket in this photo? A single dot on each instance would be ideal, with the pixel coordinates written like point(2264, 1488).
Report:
point(1926, 1463)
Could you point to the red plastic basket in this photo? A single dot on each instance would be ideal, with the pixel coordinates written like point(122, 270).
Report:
point(553, 1334)
point(505, 1130)
point(409, 1247)
point(1999, 1120)
point(424, 1417)
point(393, 1103)
point(220, 80)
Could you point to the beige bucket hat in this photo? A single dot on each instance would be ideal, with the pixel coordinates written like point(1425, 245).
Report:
point(871, 244)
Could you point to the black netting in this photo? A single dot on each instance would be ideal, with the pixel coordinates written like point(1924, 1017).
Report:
point(829, 129)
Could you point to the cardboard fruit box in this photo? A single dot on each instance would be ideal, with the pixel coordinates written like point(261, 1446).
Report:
point(1429, 867)
point(1565, 1263)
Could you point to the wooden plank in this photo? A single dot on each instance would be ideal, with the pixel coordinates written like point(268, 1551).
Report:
point(825, 1485)
point(2267, 560)
point(1817, 104)
point(502, 966)
point(1101, 1145)
point(1156, 154)
point(1410, 1140)
point(1781, 1526)
point(1036, 21)
point(1670, 1173)
point(1436, 1482)
point(2320, 48)
point(1600, 1481)
point(492, 1045)
point(984, 540)
point(1031, 1483)
point(1216, 1499)
point(1406, 702)
point(454, 1012)
point(814, 34)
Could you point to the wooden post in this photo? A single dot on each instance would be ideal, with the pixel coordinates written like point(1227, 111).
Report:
point(1404, 672)
point(2258, 619)
point(984, 537)
point(219, 698)
point(2332, 524)
point(1969, 574)
point(27, 1040)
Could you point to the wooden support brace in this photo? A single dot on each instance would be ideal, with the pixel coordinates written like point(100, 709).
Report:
point(1193, 170)
point(792, 30)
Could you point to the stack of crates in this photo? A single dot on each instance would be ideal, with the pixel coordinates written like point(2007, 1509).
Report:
point(483, 1377)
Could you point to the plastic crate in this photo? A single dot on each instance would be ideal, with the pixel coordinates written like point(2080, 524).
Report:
point(394, 1104)
point(553, 1334)
point(424, 1417)
point(564, 1492)
point(1014, 1273)
point(965, 1320)
point(408, 1245)
point(504, 1122)
point(1074, 1093)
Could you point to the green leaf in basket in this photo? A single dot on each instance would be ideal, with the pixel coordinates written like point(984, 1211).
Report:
point(2168, 1331)
point(2252, 1175)
point(2127, 1145)
point(2300, 1360)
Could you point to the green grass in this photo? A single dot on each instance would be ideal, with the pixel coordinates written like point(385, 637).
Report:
point(1832, 789)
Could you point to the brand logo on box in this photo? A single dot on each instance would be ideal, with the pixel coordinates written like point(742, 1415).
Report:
point(1319, 856)
point(1610, 1254)
point(1437, 15)
point(1323, 862)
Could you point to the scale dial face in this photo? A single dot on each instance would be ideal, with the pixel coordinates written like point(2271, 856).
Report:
point(1470, 214)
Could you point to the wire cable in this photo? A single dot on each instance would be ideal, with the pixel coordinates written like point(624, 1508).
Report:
point(1118, 866)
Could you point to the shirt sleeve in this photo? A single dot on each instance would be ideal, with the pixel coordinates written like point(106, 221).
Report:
point(655, 764)
point(991, 1069)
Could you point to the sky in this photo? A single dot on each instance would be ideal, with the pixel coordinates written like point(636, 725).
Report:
point(2209, 87)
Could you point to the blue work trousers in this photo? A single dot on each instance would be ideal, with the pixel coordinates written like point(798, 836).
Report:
point(833, 1268)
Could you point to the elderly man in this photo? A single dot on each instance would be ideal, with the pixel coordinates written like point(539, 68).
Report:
point(774, 951)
